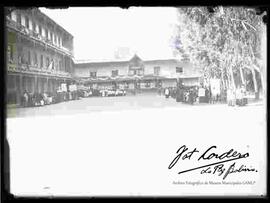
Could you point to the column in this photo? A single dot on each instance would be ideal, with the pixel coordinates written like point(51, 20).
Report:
point(20, 88)
point(47, 84)
point(35, 84)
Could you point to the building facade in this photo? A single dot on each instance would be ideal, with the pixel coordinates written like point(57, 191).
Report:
point(136, 73)
point(39, 54)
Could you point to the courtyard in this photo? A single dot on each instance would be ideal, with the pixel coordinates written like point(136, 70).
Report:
point(87, 146)
point(101, 104)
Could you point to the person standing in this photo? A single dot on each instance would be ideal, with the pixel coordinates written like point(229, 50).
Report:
point(238, 96)
point(179, 94)
point(167, 93)
point(191, 97)
point(25, 99)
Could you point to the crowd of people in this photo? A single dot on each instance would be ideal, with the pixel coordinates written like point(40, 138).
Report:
point(186, 95)
point(237, 96)
point(200, 94)
point(46, 98)
point(190, 95)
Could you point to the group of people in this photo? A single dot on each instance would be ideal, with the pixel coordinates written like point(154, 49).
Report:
point(205, 95)
point(186, 95)
point(35, 99)
point(237, 96)
point(46, 98)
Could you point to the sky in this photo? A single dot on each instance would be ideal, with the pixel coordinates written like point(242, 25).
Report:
point(98, 32)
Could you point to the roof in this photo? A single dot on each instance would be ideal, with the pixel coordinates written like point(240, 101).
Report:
point(102, 62)
point(40, 12)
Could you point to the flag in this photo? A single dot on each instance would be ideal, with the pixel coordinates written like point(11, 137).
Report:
point(51, 66)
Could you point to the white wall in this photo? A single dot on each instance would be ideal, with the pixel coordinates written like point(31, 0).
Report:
point(36, 28)
point(23, 20)
point(49, 34)
point(191, 81)
point(169, 83)
point(43, 32)
point(30, 24)
point(14, 16)
point(167, 69)
point(101, 71)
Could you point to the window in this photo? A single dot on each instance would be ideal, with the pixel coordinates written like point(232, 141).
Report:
point(10, 81)
point(156, 70)
point(27, 22)
point(9, 15)
point(10, 53)
point(19, 19)
point(47, 62)
point(93, 74)
point(147, 83)
point(29, 58)
point(34, 26)
point(52, 61)
point(179, 70)
point(46, 33)
point(35, 58)
point(40, 30)
point(140, 72)
point(131, 72)
point(114, 73)
point(60, 64)
point(51, 36)
point(13, 16)
point(41, 61)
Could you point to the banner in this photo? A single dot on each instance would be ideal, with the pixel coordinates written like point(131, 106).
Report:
point(64, 87)
point(201, 92)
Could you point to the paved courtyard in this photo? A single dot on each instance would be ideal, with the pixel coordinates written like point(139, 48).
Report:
point(90, 147)
point(98, 104)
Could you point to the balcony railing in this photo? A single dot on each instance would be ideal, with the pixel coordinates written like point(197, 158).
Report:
point(34, 69)
point(35, 35)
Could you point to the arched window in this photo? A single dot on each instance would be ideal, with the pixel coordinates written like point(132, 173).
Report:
point(26, 22)
point(41, 61)
point(19, 19)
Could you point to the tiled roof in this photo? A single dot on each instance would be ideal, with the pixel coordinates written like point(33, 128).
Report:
point(101, 62)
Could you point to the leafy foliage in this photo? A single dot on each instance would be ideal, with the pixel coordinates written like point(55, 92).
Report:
point(221, 41)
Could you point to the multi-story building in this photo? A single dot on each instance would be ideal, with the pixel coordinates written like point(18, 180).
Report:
point(39, 54)
point(136, 73)
point(40, 59)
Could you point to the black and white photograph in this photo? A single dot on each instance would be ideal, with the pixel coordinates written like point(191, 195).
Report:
point(137, 101)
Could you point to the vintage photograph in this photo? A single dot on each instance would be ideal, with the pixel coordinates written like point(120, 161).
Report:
point(143, 101)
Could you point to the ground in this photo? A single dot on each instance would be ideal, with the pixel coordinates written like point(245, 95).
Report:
point(123, 146)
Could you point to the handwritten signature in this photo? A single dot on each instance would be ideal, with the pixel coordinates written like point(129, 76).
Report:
point(217, 167)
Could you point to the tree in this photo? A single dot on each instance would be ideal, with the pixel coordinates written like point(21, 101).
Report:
point(223, 41)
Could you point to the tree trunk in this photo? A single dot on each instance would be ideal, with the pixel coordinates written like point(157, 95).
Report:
point(263, 84)
point(255, 83)
point(242, 76)
point(232, 78)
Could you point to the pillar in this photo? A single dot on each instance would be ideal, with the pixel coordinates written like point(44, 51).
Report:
point(35, 84)
point(19, 88)
point(47, 84)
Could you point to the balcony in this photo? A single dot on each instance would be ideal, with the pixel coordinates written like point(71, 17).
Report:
point(35, 70)
point(36, 36)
